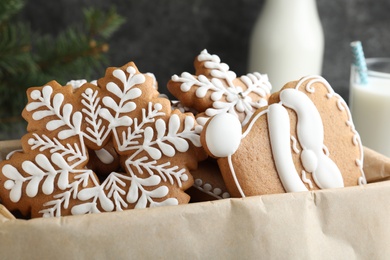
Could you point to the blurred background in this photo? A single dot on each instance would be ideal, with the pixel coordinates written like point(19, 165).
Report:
point(165, 36)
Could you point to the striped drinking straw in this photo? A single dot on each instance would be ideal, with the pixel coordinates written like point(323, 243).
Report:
point(359, 61)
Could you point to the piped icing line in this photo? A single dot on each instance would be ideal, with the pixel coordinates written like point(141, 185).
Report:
point(8, 156)
point(342, 106)
point(294, 144)
point(310, 132)
point(244, 134)
point(226, 95)
point(253, 121)
point(45, 172)
point(233, 172)
point(279, 131)
point(306, 180)
point(237, 97)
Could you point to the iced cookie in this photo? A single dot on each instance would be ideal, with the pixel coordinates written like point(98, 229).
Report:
point(208, 182)
point(215, 89)
point(304, 140)
point(157, 148)
point(104, 160)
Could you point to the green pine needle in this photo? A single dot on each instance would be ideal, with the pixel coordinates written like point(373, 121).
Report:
point(103, 24)
point(28, 59)
point(9, 8)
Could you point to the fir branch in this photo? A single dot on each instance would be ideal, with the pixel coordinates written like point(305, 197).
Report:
point(29, 59)
point(70, 55)
point(103, 24)
point(9, 8)
point(15, 46)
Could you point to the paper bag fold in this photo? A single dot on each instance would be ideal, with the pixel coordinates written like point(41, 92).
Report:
point(376, 166)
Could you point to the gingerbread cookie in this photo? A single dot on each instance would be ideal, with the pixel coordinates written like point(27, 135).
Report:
point(304, 140)
point(104, 161)
point(208, 182)
point(157, 148)
point(215, 89)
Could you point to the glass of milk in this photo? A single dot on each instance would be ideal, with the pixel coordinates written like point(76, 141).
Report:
point(370, 105)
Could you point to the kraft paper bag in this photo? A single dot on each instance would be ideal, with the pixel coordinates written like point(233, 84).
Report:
point(344, 223)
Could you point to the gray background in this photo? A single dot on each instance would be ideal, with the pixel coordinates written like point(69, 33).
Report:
point(164, 36)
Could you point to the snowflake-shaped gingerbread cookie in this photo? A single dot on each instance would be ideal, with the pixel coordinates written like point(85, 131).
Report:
point(157, 148)
point(215, 89)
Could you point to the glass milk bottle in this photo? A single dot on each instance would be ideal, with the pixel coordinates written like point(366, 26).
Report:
point(287, 41)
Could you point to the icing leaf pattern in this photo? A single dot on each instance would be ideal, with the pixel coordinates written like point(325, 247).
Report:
point(145, 137)
point(227, 93)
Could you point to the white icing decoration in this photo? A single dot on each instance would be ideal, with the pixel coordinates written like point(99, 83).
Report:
point(294, 144)
point(53, 108)
point(47, 173)
point(233, 172)
point(225, 195)
point(238, 100)
point(310, 132)
point(14, 182)
point(77, 83)
point(208, 189)
point(342, 106)
point(175, 104)
point(95, 130)
point(306, 180)
point(217, 191)
point(184, 177)
point(104, 156)
point(223, 135)
point(164, 141)
point(279, 131)
point(154, 84)
point(231, 166)
point(8, 156)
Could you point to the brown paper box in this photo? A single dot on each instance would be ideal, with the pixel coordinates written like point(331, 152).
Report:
point(347, 223)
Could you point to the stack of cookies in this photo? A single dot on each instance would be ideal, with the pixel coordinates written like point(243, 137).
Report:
point(117, 143)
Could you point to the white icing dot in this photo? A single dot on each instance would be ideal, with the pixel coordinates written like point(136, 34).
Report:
point(130, 70)
point(184, 177)
point(225, 195)
point(88, 91)
point(158, 106)
point(223, 135)
point(217, 191)
point(35, 94)
point(46, 215)
point(198, 182)
point(207, 187)
point(230, 97)
point(31, 141)
point(9, 184)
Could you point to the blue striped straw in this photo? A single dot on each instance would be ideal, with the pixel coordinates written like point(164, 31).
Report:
point(359, 61)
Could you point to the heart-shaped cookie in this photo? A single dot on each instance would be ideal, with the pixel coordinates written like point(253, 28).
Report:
point(304, 140)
